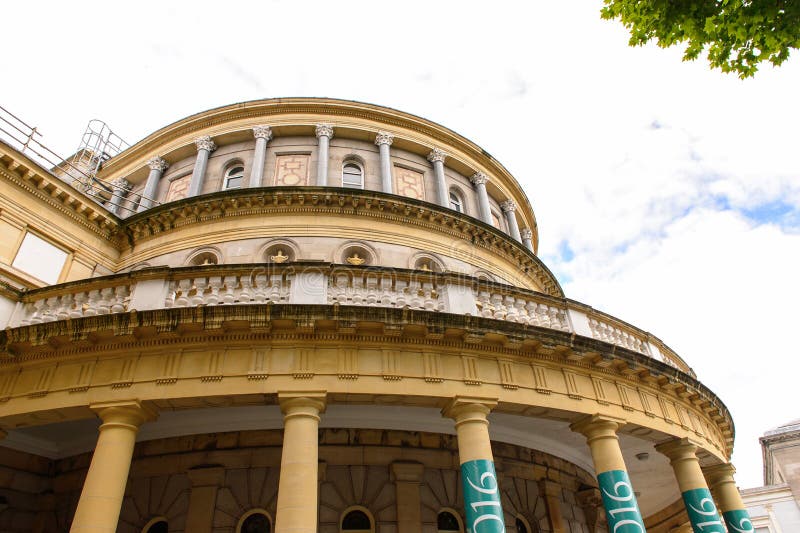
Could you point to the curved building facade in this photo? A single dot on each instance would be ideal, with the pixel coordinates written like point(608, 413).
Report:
point(302, 315)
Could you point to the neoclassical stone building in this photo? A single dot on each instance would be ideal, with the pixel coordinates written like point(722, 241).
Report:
point(303, 315)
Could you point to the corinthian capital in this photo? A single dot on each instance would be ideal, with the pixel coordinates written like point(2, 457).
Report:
point(262, 132)
point(508, 206)
point(479, 178)
point(156, 163)
point(122, 183)
point(324, 130)
point(437, 154)
point(205, 143)
point(526, 233)
point(384, 137)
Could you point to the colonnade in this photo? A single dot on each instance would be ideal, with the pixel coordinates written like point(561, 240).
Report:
point(103, 490)
point(324, 132)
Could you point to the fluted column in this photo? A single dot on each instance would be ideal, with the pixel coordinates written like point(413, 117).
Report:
point(262, 134)
point(101, 498)
point(723, 486)
point(527, 238)
point(479, 180)
point(297, 488)
point(324, 135)
point(119, 190)
point(384, 141)
point(703, 515)
point(436, 157)
point(157, 168)
point(619, 500)
point(204, 148)
point(478, 477)
point(510, 208)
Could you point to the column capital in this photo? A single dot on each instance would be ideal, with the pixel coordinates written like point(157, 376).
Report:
point(508, 206)
point(205, 143)
point(526, 233)
point(125, 412)
point(384, 137)
point(678, 449)
point(437, 155)
point(262, 132)
point(721, 473)
point(409, 471)
point(324, 130)
point(595, 426)
point(302, 403)
point(469, 408)
point(157, 163)
point(479, 178)
point(122, 183)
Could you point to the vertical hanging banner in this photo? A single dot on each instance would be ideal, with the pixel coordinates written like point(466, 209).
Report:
point(622, 511)
point(482, 497)
point(702, 512)
point(738, 521)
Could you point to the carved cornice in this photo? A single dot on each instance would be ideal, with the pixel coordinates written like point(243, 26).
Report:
point(375, 204)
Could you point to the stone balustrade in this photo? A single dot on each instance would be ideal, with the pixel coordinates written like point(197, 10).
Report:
point(327, 284)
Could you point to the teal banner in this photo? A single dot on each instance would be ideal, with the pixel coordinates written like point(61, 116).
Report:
point(482, 497)
point(702, 512)
point(738, 521)
point(622, 511)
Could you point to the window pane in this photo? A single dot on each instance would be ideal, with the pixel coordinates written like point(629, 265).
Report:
point(236, 171)
point(356, 520)
point(159, 527)
point(40, 259)
point(256, 523)
point(234, 182)
point(455, 203)
point(447, 522)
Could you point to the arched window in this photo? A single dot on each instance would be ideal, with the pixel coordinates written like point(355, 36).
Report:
point(352, 175)
point(357, 520)
point(158, 525)
point(521, 526)
point(447, 522)
point(254, 521)
point(456, 202)
point(234, 177)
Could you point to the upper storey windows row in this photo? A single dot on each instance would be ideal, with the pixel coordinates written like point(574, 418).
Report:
point(294, 161)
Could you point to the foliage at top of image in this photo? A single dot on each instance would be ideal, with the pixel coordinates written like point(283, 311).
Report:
point(738, 34)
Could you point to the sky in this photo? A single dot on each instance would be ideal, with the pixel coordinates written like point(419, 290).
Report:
point(666, 194)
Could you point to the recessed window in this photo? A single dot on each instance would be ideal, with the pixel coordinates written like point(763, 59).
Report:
point(160, 526)
point(456, 202)
point(234, 178)
point(357, 520)
point(496, 220)
point(256, 523)
point(521, 527)
point(352, 175)
point(446, 522)
point(40, 259)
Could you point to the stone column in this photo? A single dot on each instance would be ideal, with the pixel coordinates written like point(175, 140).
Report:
point(527, 238)
point(298, 484)
point(510, 208)
point(206, 481)
point(720, 479)
point(703, 515)
point(262, 134)
point(407, 477)
point(552, 499)
point(478, 476)
point(204, 148)
point(324, 136)
point(157, 168)
point(479, 180)
point(384, 141)
point(101, 498)
point(119, 190)
point(616, 490)
point(437, 158)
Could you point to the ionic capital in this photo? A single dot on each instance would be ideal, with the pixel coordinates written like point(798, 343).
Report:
point(384, 137)
point(122, 183)
point(509, 206)
point(205, 143)
point(526, 233)
point(156, 163)
point(262, 132)
point(324, 130)
point(479, 178)
point(437, 155)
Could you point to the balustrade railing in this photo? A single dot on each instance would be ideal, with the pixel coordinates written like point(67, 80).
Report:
point(304, 283)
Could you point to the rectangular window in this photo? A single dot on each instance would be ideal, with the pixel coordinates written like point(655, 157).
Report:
point(40, 259)
point(409, 183)
point(292, 169)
